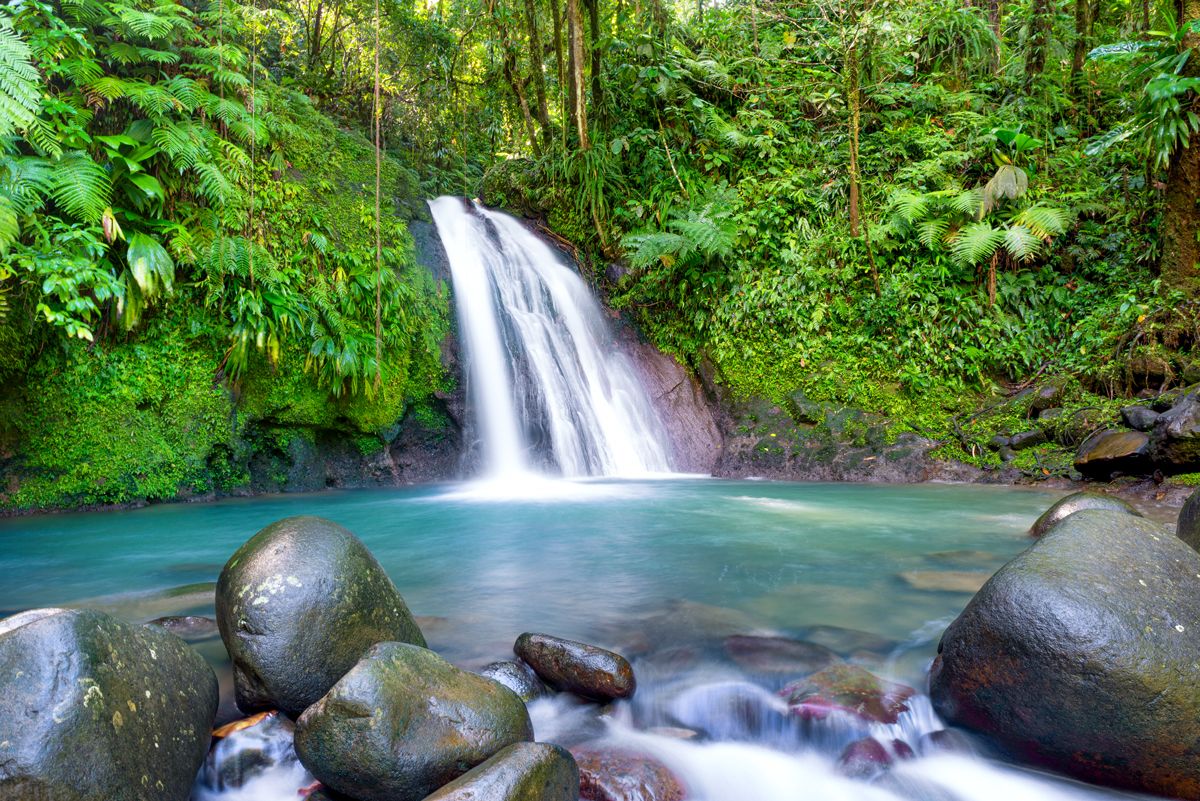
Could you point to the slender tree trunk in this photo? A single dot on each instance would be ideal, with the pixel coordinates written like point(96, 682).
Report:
point(852, 98)
point(1180, 266)
point(1085, 21)
point(559, 62)
point(576, 95)
point(996, 17)
point(536, 69)
point(1040, 20)
point(508, 64)
point(593, 9)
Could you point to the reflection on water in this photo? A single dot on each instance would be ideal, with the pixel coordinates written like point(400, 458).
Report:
point(666, 572)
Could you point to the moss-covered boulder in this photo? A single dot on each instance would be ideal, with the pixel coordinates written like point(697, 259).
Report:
point(96, 708)
point(404, 722)
point(1077, 502)
point(577, 667)
point(521, 772)
point(1082, 655)
point(298, 605)
point(1109, 452)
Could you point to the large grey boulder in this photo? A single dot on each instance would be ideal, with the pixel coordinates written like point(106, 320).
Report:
point(403, 722)
point(298, 605)
point(521, 772)
point(1082, 655)
point(1188, 526)
point(1077, 502)
point(1108, 452)
point(97, 709)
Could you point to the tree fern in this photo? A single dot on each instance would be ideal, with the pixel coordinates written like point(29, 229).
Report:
point(1021, 243)
point(20, 89)
point(975, 242)
point(1045, 222)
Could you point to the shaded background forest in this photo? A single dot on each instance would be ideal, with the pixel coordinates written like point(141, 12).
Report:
point(909, 207)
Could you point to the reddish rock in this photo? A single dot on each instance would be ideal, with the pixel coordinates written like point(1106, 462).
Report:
point(611, 775)
point(849, 689)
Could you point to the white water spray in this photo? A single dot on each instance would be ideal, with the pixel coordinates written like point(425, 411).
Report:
point(550, 389)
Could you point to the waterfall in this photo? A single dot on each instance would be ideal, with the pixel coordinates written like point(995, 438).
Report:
point(551, 391)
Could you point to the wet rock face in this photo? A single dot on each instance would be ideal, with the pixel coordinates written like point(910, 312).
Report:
point(518, 677)
point(1081, 655)
point(576, 667)
point(298, 605)
point(192, 628)
point(866, 757)
point(404, 722)
point(1108, 452)
point(1188, 528)
point(521, 772)
point(1077, 502)
point(96, 708)
point(1139, 418)
point(1175, 438)
point(612, 775)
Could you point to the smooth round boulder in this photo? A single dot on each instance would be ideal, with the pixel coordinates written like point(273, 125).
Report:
point(298, 605)
point(1175, 438)
point(1082, 655)
point(1077, 502)
point(96, 708)
point(521, 772)
point(518, 677)
point(404, 722)
point(577, 667)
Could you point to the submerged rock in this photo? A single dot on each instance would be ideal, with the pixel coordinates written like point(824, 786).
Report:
point(613, 775)
point(97, 708)
point(1081, 655)
point(849, 642)
point(946, 580)
point(576, 667)
point(403, 722)
point(1077, 502)
point(868, 756)
point(778, 654)
point(298, 605)
point(518, 677)
point(521, 772)
point(847, 689)
point(192, 628)
point(1107, 452)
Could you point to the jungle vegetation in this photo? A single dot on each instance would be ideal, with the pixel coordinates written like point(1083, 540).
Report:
point(901, 204)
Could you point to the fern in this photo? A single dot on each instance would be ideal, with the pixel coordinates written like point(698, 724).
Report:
point(20, 90)
point(975, 242)
point(80, 186)
point(1021, 243)
point(1045, 222)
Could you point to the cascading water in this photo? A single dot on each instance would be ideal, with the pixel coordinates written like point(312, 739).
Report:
point(551, 393)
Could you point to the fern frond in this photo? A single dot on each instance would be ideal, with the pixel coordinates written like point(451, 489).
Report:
point(975, 242)
point(646, 250)
point(909, 206)
point(213, 185)
point(968, 202)
point(932, 233)
point(80, 186)
point(20, 84)
point(1021, 243)
point(1046, 222)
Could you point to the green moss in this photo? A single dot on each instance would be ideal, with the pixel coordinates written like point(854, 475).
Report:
point(1186, 479)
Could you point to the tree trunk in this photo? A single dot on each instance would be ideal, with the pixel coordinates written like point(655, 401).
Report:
point(535, 68)
point(593, 9)
point(576, 94)
point(1040, 22)
point(559, 61)
point(1180, 266)
point(1086, 12)
point(509, 66)
point(852, 98)
point(995, 17)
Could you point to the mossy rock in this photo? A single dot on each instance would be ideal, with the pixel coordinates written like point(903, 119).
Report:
point(298, 605)
point(97, 708)
point(404, 722)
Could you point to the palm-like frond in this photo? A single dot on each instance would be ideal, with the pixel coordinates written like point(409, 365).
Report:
point(933, 233)
point(1009, 183)
point(1021, 243)
point(909, 206)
